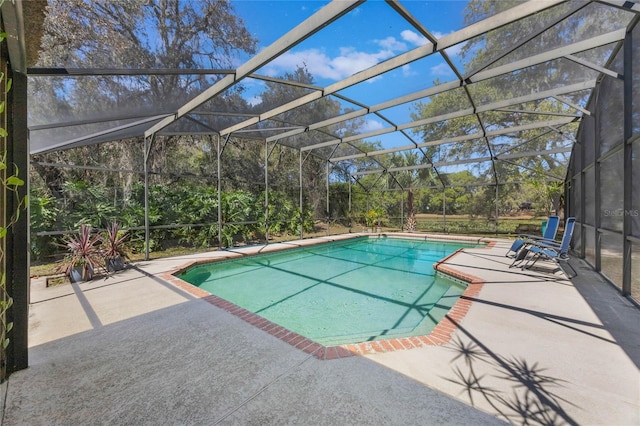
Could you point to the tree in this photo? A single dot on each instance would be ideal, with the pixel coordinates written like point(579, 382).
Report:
point(285, 163)
point(158, 34)
point(493, 49)
point(144, 34)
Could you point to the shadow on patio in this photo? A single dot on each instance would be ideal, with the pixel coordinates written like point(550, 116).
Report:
point(136, 349)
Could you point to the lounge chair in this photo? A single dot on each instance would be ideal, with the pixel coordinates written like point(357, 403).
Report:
point(557, 252)
point(549, 235)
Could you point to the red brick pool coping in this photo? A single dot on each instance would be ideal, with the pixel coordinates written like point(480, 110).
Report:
point(441, 333)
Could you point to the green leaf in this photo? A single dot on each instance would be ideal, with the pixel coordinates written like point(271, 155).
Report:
point(14, 181)
point(2, 105)
point(9, 85)
point(4, 134)
point(9, 327)
point(5, 343)
point(3, 232)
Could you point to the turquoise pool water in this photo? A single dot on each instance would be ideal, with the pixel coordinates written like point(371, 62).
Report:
point(343, 292)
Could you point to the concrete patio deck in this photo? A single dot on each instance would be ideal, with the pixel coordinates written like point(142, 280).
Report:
point(133, 348)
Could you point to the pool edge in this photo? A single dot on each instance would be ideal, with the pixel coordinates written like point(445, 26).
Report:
point(440, 335)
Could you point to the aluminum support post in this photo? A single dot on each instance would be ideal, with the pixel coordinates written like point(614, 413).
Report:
point(266, 191)
point(327, 211)
point(148, 142)
point(628, 164)
point(301, 199)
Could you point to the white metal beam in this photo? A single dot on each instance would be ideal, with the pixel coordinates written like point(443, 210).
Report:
point(550, 55)
point(478, 135)
point(501, 19)
point(632, 6)
point(533, 153)
point(534, 112)
point(484, 75)
point(311, 25)
point(459, 162)
point(488, 107)
point(65, 143)
point(594, 67)
point(496, 21)
point(571, 104)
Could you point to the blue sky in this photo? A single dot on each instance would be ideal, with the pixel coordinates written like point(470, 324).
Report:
point(368, 35)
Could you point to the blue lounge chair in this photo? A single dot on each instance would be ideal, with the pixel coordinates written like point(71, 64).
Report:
point(552, 250)
point(549, 235)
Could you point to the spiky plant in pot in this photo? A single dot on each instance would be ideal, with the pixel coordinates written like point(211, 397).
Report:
point(83, 255)
point(114, 247)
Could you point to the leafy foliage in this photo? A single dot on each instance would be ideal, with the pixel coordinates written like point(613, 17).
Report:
point(10, 186)
point(373, 217)
point(187, 214)
point(44, 213)
point(9, 183)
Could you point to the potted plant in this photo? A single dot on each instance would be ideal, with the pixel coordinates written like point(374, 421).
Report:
point(114, 251)
point(84, 256)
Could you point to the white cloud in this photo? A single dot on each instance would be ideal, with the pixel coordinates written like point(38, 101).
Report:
point(414, 38)
point(348, 62)
point(407, 71)
point(391, 43)
point(442, 69)
point(370, 126)
point(315, 60)
point(352, 61)
point(418, 40)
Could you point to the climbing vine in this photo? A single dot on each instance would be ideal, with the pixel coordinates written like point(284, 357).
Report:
point(10, 183)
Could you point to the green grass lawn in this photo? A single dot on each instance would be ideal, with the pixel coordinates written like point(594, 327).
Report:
point(483, 226)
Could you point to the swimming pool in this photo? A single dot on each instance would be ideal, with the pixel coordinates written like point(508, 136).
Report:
point(336, 293)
